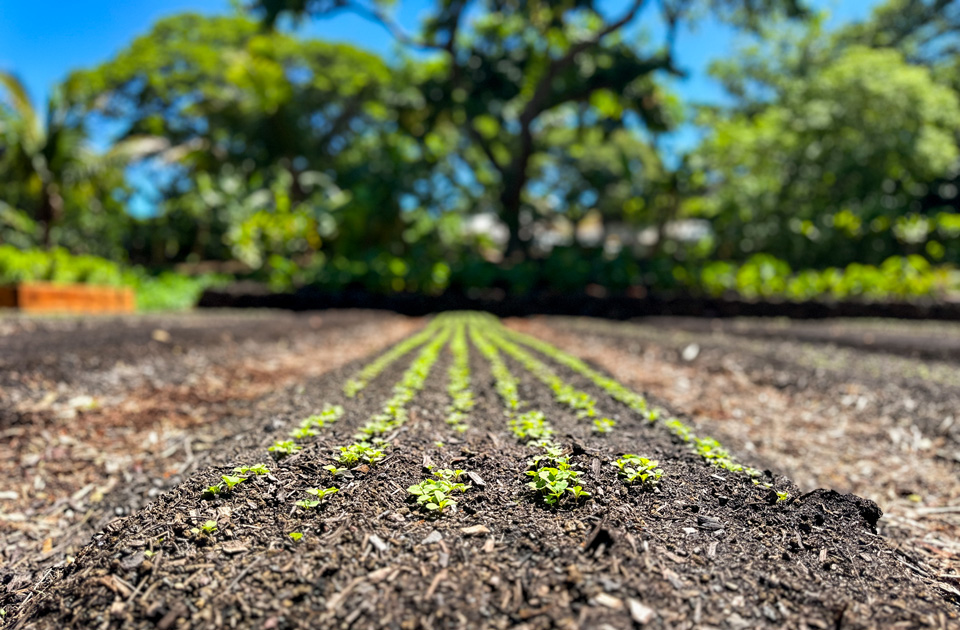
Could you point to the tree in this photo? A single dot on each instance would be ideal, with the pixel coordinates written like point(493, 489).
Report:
point(500, 66)
point(833, 166)
point(50, 175)
point(275, 147)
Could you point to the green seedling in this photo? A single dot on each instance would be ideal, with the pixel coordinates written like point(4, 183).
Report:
point(434, 494)
point(359, 452)
point(782, 496)
point(208, 528)
point(320, 493)
point(603, 425)
point(282, 448)
point(149, 553)
point(334, 470)
point(531, 426)
point(307, 504)
point(256, 469)
point(552, 483)
point(232, 481)
point(295, 536)
point(634, 468)
point(214, 490)
point(302, 433)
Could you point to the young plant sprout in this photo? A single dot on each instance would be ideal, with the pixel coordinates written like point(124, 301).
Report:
point(359, 453)
point(208, 528)
point(603, 425)
point(434, 494)
point(295, 536)
point(230, 481)
point(256, 469)
point(552, 483)
point(634, 469)
point(334, 470)
point(283, 448)
point(303, 433)
point(321, 493)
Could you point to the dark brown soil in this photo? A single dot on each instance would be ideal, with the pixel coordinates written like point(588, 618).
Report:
point(705, 549)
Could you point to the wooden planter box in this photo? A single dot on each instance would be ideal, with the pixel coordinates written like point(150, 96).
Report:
point(46, 297)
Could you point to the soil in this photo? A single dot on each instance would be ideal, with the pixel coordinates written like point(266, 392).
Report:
point(705, 549)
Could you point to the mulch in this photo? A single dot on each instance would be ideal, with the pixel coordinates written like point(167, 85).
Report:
point(706, 548)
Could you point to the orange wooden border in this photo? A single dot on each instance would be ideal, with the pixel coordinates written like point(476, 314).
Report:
point(46, 297)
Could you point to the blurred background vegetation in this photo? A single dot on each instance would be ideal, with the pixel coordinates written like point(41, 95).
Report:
point(511, 146)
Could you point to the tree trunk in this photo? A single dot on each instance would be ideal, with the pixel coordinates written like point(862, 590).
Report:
point(511, 196)
point(51, 205)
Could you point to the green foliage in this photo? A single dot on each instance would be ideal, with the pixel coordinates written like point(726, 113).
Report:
point(458, 386)
point(207, 529)
point(296, 536)
point(320, 493)
point(256, 469)
point(283, 448)
point(434, 494)
point(553, 483)
point(603, 425)
point(373, 369)
point(359, 453)
point(634, 468)
point(531, 426)
point(763, 275)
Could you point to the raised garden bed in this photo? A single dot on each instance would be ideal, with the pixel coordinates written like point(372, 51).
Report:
point(47, 297)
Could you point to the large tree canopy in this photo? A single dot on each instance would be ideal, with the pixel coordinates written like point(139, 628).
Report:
point(501, 66)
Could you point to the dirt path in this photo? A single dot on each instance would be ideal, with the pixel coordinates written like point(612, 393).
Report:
point(706, 547)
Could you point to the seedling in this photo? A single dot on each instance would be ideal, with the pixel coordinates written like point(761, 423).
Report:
point(282, 448)
point(295, 536)
point(302, 433)
point(603, 425)
point(306, 504)
point(439, 444)
point(552, 483)
point(782, 496)
point(531, 426)
point(256, 469)
point(320, 493)
point(434, 494)
point(359, 452)
point(634, 468)
point(232, 481)
point(552, 453)
point(214, 490)
point(208, 528)
point(334, 470)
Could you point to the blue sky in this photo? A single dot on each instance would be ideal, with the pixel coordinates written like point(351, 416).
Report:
point(43, 41)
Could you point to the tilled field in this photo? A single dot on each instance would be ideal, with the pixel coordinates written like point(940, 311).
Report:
point(472, 475)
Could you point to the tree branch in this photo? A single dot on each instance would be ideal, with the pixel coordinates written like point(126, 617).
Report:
point(535, 106)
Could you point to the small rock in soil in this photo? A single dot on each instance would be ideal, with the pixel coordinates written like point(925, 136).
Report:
point(432, 537)
point(475, 530)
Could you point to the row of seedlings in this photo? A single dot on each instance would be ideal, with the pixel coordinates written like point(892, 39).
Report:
point(708, 448)
point(309, 426)
point(632, 468)
point(553, 476)
point(436, 493)
point(370, 444)
point(362, 378)
point(458, 375)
